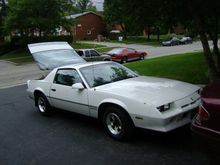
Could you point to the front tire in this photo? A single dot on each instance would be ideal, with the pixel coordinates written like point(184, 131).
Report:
point(124, 60)
point(43, 105)
point(118, 123)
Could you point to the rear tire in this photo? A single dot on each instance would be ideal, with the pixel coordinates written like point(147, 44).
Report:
point(43, 105)
point(118, 123)
point(142, 57)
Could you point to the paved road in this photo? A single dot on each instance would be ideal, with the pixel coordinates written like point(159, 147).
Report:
point(158, 51)
point(12, 75)
point(27, 138)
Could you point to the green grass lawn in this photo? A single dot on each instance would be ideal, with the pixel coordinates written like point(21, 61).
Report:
point(144, 41)
point(18, 56)
point(78, 45)
point(190, 67)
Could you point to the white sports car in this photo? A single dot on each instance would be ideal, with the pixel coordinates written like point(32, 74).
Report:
point(114, 94)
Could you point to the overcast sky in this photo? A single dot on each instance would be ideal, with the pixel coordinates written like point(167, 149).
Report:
point(98, 4)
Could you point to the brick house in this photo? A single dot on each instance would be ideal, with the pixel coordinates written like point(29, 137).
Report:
point(88, 26)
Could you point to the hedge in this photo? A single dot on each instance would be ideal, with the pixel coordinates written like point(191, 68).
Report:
point(21, 42)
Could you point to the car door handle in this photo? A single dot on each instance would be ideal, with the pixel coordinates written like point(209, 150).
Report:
point(53, 90)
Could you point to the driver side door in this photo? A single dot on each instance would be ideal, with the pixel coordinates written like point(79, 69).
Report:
point(63, 96)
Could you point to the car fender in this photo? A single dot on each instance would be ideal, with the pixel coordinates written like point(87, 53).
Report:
point(113, 101)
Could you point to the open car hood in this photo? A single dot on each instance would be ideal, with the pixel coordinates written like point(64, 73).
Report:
point(50, 55)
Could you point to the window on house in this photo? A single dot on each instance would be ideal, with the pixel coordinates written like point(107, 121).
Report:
point(89, 32)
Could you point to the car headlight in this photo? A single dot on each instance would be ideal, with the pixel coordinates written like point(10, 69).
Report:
point(164, 107)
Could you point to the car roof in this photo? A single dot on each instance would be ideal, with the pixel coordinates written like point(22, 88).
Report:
point(81, 65)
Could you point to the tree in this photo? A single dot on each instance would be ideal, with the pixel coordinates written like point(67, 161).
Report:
point(3, 12)
point(27, 16)
point(114, 14)
point(203, 17)
point(85, 5)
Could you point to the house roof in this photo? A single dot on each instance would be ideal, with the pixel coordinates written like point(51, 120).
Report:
point(73, 16)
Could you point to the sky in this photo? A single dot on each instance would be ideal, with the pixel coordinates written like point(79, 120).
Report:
point(98, 4)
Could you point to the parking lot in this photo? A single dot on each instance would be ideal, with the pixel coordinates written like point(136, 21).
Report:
point(26, 137)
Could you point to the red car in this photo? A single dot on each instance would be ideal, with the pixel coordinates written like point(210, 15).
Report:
point(207, 121)
point(126, 54)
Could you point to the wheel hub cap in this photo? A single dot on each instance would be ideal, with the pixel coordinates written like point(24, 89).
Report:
point(41, 104)
point(114, 123)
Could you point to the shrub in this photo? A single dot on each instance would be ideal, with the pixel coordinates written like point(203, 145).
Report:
point(23, 41)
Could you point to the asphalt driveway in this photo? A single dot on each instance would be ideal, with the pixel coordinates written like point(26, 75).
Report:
point(28, 138)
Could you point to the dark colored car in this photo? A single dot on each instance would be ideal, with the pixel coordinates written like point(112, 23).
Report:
point(186, 40)
point(206, 123)
point(124, 55)
point(171, 42)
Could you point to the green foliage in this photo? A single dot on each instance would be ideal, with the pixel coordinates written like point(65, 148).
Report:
point(85, 5)
point(21, 42)
point(27, 16)
point(3, 12)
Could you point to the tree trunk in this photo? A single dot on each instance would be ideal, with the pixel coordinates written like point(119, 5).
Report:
point(216, 52)
point(213, 74)
point(124, 31)
point(148, 32)
point(158, 34)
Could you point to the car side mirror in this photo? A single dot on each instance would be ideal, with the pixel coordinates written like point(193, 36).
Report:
point(78, 86)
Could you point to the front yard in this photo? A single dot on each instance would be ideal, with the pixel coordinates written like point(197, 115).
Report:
point(190, 67)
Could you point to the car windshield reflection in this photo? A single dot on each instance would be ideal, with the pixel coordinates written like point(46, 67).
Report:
point(101, 74)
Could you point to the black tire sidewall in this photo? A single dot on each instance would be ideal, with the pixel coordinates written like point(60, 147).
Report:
point(48, 108)
point(124, 60)
point(127, 124)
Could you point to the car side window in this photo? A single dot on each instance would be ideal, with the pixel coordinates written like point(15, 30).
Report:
point(80, 52)
point(87, 54)
point(94, 53)
point(67, 77)
point(131, 50)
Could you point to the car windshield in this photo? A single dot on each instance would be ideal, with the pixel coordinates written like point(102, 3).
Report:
point(101, 74)
point(48, 60)
point(115, 51)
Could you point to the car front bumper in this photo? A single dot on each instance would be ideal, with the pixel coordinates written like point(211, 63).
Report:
point(165, 124)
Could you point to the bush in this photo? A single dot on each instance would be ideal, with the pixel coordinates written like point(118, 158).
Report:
point(5, 48)
point(23, 41)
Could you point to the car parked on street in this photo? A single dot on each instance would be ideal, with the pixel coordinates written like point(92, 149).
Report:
point(186, 40)
point(93, 55)
point(120, 98)
point(206, 123)
point(171, 42)
point(124, 55)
